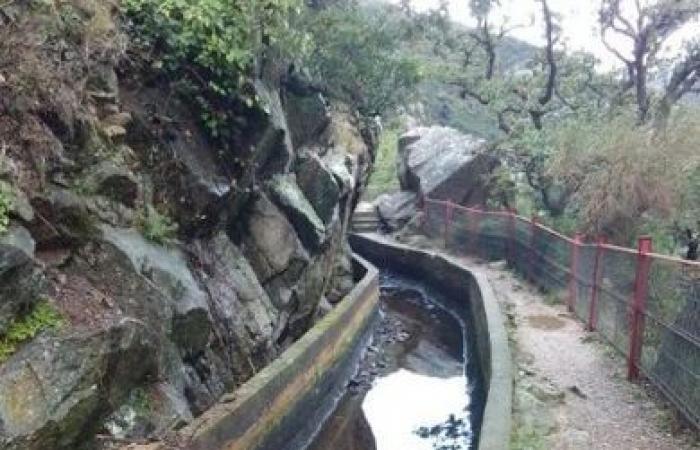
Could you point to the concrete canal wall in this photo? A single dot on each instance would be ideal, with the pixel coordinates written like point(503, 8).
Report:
point(283, 405)
point(467, 290)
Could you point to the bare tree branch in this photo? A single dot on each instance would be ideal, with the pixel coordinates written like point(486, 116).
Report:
point(655, 24)
point(549, 52)
point(685, 79)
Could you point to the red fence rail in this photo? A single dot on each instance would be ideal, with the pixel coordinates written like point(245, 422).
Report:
point(647, 306)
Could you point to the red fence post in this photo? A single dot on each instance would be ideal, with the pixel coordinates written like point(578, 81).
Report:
point(449, 208)
point(533, 247)
point(573, 275)
point(511, 236)
point(475, 216)
point(641, 288)
point(595, 289)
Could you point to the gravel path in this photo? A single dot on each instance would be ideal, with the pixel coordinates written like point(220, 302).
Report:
point(575, 383)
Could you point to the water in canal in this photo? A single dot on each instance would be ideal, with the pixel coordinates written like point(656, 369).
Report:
point(418, 387)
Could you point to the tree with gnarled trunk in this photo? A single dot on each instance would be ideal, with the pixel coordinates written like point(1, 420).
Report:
point(521, 101)
point(646, 28)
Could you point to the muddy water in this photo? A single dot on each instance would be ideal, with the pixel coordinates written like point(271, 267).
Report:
point(418, 386)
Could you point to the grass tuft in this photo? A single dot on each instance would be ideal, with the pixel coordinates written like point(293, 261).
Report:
point(157, 227)
point(43, 317)
point(384, 178)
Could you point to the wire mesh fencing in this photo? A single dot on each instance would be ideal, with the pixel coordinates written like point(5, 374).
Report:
point(647, 306)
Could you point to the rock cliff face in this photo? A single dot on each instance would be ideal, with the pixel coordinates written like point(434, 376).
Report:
point(179, 269)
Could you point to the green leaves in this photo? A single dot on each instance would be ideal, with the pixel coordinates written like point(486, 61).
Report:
point(42, 317)
point(209, 44)
point(356, 57)
point(157, 227)
point(5, 206)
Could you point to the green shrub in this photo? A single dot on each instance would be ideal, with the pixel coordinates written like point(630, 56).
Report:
point(210, 45)
point(384, 176)
point(157, 227)
point(627, 179)
point(357, 57)
point(43, 317)
point(5, 207)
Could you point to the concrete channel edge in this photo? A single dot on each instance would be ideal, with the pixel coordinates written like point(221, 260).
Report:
point(267, 409)
point(492, 336)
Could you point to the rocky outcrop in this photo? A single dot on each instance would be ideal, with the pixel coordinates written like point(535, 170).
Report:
point(445, 164)
point(21, 279)
point(441, 163)
point(397, 209)
point(307, 225)
point(318, 184)
point(181, 265)
point(56, 389)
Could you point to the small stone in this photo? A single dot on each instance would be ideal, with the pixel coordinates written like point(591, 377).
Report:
point(116, 183)
point(498, 265)
point(121, 119)
point(291, 200)
point(107, 302)
point(323, 308)
point(578, 392)
point(103, 96)
point(114, 131)
point(60, 179)
point(110, 108)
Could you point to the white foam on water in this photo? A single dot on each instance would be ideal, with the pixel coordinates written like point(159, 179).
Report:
point(402, 402)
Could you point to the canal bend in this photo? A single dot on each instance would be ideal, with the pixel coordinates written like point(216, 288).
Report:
point(418, 385)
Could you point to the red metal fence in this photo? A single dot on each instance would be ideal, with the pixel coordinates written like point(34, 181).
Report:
point(646, 305)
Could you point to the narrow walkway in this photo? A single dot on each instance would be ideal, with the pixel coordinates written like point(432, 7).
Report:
point(571, 391)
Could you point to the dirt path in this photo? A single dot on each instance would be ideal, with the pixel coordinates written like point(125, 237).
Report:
point(571, 391)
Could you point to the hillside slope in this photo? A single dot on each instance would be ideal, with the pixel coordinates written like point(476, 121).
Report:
point(144, 271)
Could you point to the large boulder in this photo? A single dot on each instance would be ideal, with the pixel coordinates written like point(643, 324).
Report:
point(397, 209)
point(318, 184)
point(244, 316)
point(193, 180)
point(64, 218)
point(274, 152)
point(167, 269)
point(269, 241)
point(285, 192)
point(445, 164)
point(307, 117)
point(56, 390)
point(114, 182)
point(21, 279)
